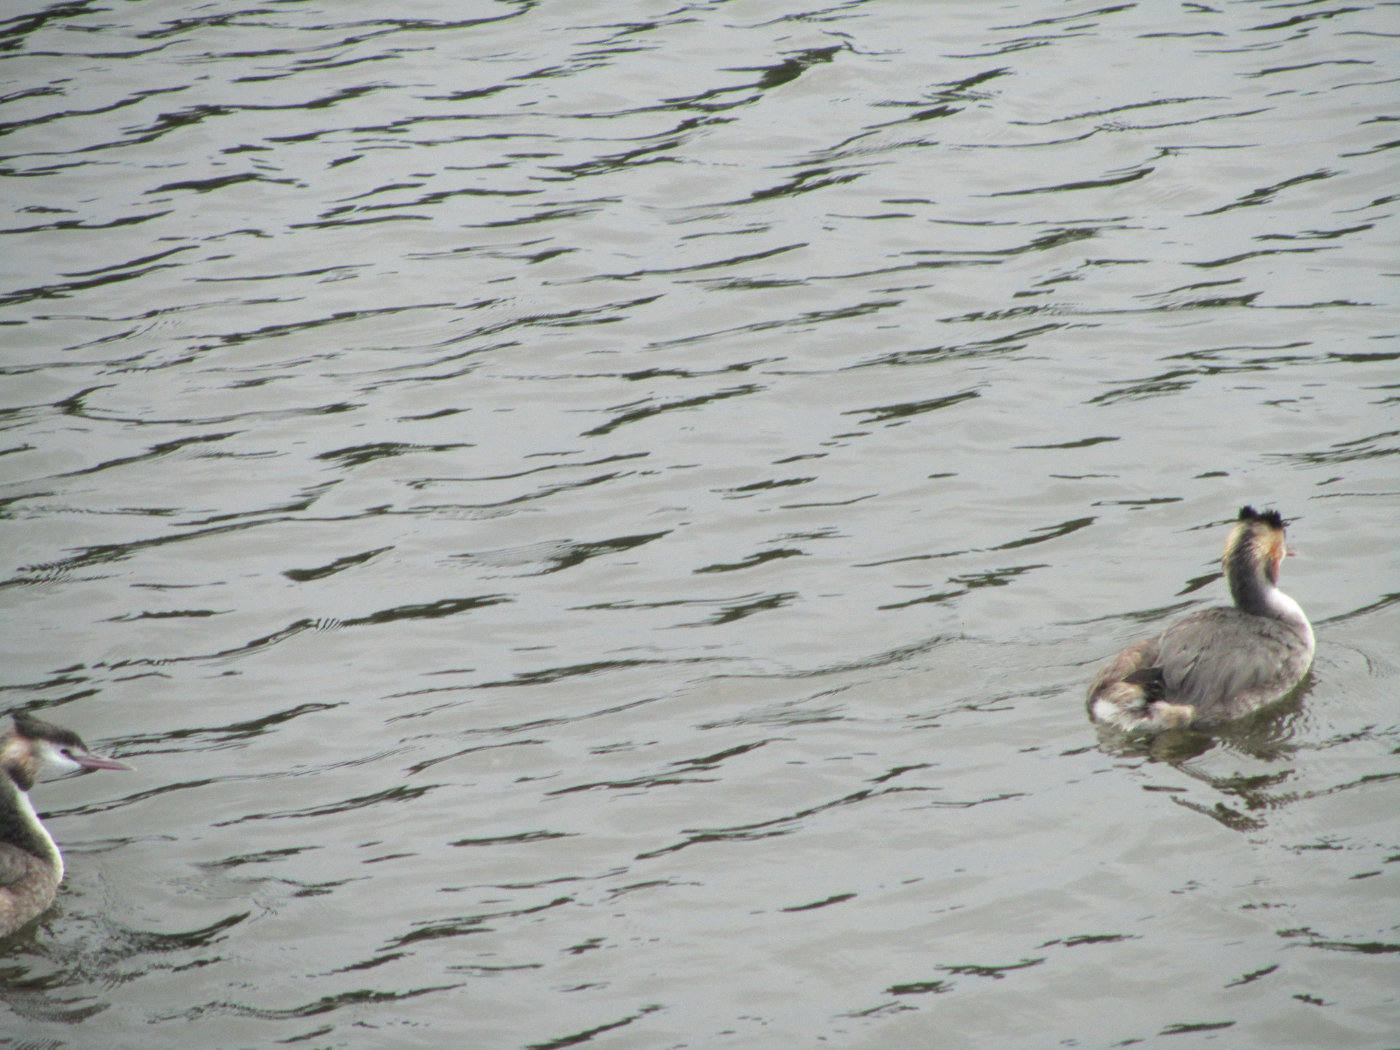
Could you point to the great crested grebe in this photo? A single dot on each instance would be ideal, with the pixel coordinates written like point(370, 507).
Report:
point(30, 865)
point(1220, 663)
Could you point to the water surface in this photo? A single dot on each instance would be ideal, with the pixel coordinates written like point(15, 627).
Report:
point(594, 520)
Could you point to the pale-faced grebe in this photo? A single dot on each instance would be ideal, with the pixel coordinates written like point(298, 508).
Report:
point(1219, 663)
point(30, 865)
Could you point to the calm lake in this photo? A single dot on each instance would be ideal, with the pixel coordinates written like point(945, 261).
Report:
point(593, 521)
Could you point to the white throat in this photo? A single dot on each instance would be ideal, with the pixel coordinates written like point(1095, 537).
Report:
point(1284, 608)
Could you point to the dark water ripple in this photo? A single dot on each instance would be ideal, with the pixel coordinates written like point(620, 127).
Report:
point(573, 509)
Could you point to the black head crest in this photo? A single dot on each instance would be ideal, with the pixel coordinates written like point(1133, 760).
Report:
point(1271, 518)
point(38, 729)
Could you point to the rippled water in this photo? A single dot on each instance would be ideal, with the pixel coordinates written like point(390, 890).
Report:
point(594, 520)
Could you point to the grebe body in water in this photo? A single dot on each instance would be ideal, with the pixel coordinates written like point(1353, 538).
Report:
point(1220, 663)
point(30, 865)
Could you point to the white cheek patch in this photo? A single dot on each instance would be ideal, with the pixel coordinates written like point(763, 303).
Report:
point(52, 762)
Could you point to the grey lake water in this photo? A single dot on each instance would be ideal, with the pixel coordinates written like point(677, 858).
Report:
point(593, 520)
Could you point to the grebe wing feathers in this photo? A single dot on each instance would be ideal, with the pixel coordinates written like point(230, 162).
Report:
point(1139, 656)
point(15, 865)
point(1225, 662)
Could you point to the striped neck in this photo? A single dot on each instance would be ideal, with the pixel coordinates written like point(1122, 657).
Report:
point(1254, 590)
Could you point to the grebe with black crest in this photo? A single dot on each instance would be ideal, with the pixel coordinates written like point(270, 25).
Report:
point(1220, 663)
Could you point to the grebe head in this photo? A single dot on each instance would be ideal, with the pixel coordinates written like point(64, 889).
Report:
point(1256, 544)
point(37, 750)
